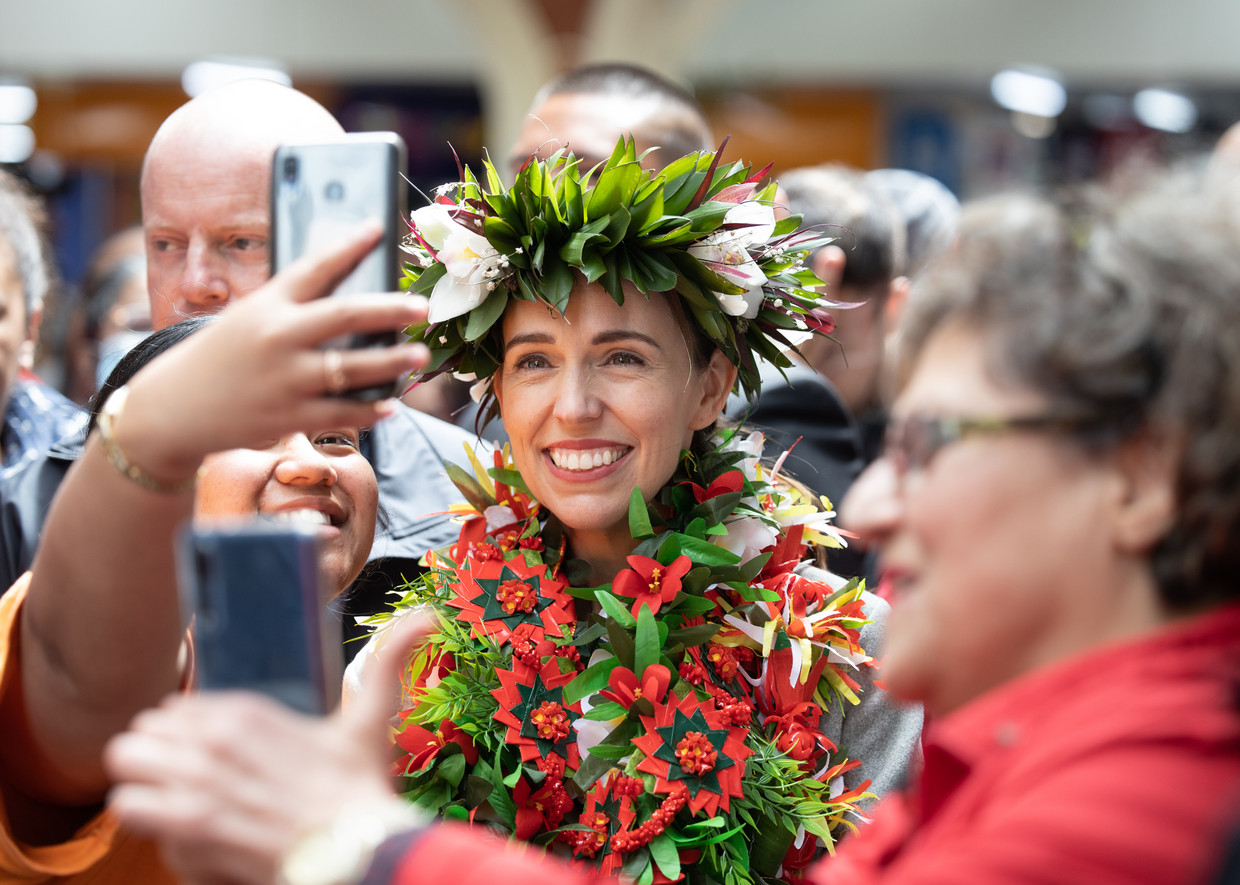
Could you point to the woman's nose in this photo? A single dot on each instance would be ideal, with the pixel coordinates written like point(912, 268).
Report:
point(301, 462)
point(576, 399)
point(874, 505)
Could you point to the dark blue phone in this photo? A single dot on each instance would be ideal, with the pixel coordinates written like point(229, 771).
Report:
point(260, 619)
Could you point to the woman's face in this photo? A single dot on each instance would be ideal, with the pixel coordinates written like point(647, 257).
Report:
point(601, 401)
point(997, 550)
point(322, 480)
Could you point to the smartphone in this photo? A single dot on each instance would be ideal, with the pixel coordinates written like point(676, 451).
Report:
point(320, 193)
point(255, 595)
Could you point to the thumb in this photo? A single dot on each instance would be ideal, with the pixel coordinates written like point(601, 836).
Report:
point(317, 274)
point(375, 702)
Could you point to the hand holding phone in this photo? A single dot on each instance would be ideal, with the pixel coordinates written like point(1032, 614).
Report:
point(320, 193)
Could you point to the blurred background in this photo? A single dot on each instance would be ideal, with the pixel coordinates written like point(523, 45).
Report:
point(980, 94)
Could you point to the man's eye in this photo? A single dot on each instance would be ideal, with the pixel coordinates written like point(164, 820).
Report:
point(249, 244)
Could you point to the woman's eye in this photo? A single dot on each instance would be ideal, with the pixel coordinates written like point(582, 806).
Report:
point(533, 361)
point(625, 358)
point(338, 439)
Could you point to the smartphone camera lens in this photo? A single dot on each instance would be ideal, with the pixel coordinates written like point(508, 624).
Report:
point(290, 170)
point(335, 192)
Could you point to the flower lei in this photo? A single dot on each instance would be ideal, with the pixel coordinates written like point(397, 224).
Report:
point(668, 718)
point(701, 229)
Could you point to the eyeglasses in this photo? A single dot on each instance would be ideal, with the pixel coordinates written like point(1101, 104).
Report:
point(912, 442)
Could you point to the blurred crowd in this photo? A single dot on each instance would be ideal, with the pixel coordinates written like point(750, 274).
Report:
point(1026, 408)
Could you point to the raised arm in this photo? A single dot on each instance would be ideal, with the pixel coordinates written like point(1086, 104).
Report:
point(100, 629)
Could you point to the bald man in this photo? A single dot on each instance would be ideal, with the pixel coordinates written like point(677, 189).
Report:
point(589, 108)
point(206, 185)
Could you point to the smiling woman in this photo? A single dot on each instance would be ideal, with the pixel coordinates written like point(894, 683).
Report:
point(621, 542)
point(634, 659)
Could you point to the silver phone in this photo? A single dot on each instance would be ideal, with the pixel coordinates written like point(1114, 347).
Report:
point(320, 193)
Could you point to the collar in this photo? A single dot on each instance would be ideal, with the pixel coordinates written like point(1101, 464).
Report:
point(999, 721)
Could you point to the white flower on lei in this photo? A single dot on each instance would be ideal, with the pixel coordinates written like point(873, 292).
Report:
point(747, 537)
point(472, 264)
point(727, 253)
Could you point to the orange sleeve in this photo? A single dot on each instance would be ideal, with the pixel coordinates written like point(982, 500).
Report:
point(98, 850)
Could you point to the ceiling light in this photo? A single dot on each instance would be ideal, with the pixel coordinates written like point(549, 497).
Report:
point(17, 102)
point(1165, 110)
point(1029, 92)
point(16, 143)
point(200, 76)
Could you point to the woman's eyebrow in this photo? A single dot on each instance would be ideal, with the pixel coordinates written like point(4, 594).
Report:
point(615, 335)
point(529, 338)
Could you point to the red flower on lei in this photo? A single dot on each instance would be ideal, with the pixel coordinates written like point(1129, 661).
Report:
point(532, 706)
point(725, 483)
point(421, 745)
point(510, 600)
point(689, 745)
point(651, 583)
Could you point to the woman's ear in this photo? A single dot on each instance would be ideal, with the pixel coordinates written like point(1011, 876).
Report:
point(1148, 465)
point(717, 382)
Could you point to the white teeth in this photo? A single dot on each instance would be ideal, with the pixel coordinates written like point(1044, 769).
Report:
point(576, 459)
point(306, 516)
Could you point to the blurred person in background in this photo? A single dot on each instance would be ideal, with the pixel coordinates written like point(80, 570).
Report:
point(588, 108)
point(1059, 503)
point(822, 401)
point(112, 313)
point(35, 414)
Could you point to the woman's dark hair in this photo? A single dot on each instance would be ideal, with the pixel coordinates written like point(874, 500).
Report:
point(142, 353)
point(1123, 308)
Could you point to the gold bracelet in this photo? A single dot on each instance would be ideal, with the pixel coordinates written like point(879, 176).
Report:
point(107, 436)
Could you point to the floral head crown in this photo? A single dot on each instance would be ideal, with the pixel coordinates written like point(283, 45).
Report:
point(704, 231)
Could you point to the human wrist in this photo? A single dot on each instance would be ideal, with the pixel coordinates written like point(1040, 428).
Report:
point(131, 459)
point(340, 851)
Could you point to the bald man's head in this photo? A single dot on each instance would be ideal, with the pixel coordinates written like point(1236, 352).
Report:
point(589, 108)
point(206, 185)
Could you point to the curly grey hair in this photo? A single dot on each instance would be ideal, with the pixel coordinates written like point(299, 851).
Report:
point(22, 221)
point(1125, 308)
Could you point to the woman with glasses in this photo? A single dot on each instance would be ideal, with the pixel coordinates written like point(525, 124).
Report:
point(1057, 515)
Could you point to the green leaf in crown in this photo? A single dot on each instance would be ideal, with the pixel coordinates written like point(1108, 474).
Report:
point(701, 229)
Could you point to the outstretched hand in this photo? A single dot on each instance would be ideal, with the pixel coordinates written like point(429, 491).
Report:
point(259, 372)
point(228, 782)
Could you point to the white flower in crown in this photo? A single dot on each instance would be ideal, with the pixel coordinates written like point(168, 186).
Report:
point(471, 263)
point(728, 253)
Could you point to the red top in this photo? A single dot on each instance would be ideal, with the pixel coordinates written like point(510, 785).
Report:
point(1118, 766)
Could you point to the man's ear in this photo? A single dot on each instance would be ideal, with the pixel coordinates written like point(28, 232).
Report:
point(26, 352)
point(1148, 467)
point(897, 298)
point(717, 382)
point(828, 265)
